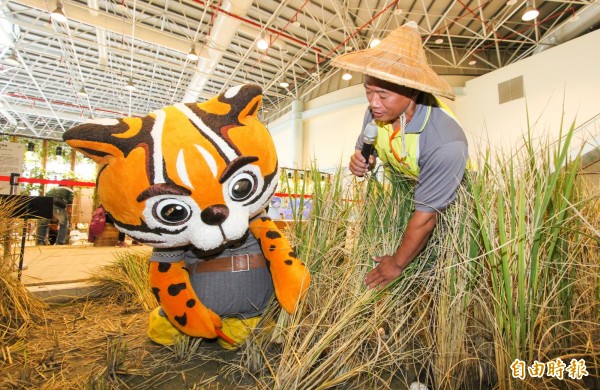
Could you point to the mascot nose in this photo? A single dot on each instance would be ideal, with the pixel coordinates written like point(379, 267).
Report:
point(215, 215)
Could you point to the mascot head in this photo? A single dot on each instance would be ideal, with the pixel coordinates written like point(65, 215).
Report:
point(192, 173)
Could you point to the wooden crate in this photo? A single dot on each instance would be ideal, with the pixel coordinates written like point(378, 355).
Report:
point(109, 236)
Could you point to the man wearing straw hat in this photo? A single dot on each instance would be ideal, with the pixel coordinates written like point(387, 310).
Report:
point(417, 135)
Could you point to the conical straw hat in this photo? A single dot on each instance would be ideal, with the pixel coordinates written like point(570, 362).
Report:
point(400, 59)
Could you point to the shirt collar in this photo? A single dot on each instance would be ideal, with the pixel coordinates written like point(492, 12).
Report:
point(417, 122)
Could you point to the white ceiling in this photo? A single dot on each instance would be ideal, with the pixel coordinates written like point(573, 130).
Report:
point(105, 44)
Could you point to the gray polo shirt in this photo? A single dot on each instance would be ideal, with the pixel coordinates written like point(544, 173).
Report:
point(442, 153)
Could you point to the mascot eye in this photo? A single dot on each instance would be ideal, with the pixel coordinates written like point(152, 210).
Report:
point(242, 186)
point(171, 211)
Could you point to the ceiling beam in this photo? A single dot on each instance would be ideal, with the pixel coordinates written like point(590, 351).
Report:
point(102, 20)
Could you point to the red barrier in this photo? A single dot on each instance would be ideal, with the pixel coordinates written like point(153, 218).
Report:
point(292, 195)
point(66, 183)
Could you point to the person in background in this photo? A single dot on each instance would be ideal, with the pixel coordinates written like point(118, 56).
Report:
point(121, 236)
point(274, 210)
point(417, 135)
point(61, 206)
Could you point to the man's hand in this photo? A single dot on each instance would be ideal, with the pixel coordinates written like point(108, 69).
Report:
point(386, 271)
point(358, 166)
point(415, 238)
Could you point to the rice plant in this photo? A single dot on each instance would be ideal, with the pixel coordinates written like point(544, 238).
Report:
point(510, 279)
point(532, 250)
point(341, 334)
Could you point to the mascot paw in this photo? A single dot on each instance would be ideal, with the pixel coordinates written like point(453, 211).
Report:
point(203, 323)
point(237, 330)
point(160, 329)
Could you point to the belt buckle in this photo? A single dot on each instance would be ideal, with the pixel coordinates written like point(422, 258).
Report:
point(234, 263)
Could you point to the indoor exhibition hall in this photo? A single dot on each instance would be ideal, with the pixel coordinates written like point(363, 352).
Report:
point(300, 194)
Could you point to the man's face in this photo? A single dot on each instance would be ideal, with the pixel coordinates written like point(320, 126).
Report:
point(387, 101)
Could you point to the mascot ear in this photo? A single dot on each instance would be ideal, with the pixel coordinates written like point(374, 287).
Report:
point(105, 138)
point(247, 101)
point(240, 102)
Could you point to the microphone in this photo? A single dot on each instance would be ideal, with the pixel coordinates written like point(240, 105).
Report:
point(369, 135)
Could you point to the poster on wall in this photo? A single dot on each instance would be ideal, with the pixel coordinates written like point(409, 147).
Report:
point(11, 161)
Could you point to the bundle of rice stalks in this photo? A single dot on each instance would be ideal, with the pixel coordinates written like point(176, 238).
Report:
point(508, 281)
point(460, 335)
point(126, 281)
point(18, 308)
point(344, 334)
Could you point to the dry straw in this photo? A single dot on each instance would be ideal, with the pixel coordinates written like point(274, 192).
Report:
point(125, 281)
point(18, 308)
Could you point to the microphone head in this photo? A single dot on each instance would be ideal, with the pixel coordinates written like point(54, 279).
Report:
point(370, 132)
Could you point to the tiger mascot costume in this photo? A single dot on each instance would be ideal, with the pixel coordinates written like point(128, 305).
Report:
point(193, 180)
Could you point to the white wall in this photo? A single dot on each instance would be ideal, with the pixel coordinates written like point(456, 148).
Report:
point(331, 125)
point(331, 128)
point(565, 79)
point(565, 76)
point(282, 137)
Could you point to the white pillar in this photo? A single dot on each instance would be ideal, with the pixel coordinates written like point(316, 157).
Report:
point(297, 134)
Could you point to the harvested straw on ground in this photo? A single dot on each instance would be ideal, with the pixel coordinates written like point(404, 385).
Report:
point(18, 308)
point(126, 281)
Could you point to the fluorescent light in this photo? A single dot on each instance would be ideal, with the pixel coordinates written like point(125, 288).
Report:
point(58, 15)
point(12, 60)
point(130, 86)
point(439, 40)
point(375, 42)
point(530, 14)
point(262, 44)
point(472, 62)
point(284, 84)
point(192, 55)
point(346, 76)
